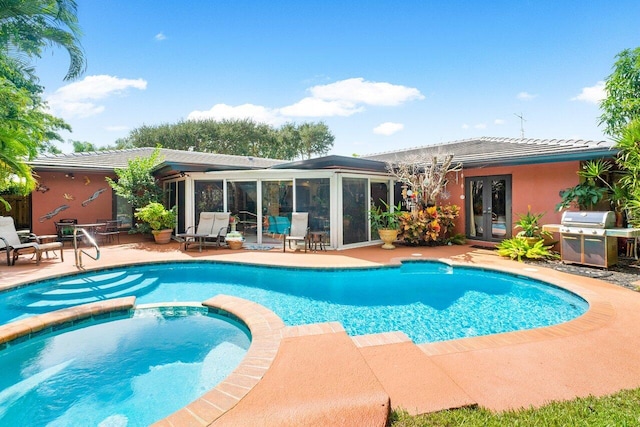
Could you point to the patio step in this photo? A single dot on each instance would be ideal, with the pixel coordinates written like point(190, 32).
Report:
point(422, 389)
point(315, 380)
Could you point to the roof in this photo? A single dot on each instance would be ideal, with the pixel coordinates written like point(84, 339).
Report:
point(172, 161)
point(335, 162)
point(488, 151)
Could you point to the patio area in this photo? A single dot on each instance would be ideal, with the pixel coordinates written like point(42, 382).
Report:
point(317, 374)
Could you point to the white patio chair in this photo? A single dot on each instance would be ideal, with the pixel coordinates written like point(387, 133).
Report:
point(298, 232)
point(205, 223)
point(10, 242)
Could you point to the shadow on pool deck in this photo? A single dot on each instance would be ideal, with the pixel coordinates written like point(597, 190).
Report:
point(343, 381)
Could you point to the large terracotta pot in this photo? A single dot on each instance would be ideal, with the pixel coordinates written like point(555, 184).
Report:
point(162, 236)
point(234, 244)
point(388, 237)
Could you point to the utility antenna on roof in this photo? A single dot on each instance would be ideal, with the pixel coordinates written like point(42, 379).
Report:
point(522, 120)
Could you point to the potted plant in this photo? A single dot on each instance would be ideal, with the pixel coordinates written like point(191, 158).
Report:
point(161, 220)
point(233, 222)
point(386, 222)
point(234, 239)
point(530, 228)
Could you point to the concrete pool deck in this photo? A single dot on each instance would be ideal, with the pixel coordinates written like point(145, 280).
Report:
point(319, 375)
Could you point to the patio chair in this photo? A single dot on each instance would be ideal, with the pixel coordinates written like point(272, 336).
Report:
point(110, 232)
point(10, 242)
point(298, 232)
point(64, 229)
point(212, 225)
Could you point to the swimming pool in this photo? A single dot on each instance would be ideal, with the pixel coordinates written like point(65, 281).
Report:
point(130, 371)
point(429, 301)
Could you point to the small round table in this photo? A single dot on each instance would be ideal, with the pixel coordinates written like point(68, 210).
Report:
point(317, 238)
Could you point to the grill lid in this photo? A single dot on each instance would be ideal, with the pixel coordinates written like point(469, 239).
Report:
point(595, 219)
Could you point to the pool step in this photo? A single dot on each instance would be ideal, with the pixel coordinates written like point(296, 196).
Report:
point(44, 305)
point(63, 292)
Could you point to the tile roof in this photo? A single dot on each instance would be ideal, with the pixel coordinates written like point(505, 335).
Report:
point(488, 151)
point(110, 159)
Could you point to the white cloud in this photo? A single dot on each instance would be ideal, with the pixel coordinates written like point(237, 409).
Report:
point(593, 94)
point(74, 99)
point(388, 128)
point(498, 122)
point(224, 111)
point(480, 126)
point(359, 91)
point(160, 36)
point(526, 96)
point(343, 98)
point(465, 126)
point(314, 107)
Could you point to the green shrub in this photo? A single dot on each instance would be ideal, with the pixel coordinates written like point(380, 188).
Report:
point(517, 248)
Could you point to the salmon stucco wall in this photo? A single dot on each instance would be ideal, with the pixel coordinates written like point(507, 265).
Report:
point(536, 185)
point(85, 197)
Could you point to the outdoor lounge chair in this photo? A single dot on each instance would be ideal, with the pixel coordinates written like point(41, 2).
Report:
point(212, 225)
point(298, 232)
point(10, 242)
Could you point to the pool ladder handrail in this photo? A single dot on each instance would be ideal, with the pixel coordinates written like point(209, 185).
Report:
point(78, 252)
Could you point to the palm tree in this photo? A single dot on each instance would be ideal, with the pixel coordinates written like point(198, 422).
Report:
point(27, 27)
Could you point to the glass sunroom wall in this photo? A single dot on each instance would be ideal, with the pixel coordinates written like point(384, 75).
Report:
point(209, 197)
point(355, 224)
point(379, 197)
point(242, 201)
point(277, 205)
point(313, 195)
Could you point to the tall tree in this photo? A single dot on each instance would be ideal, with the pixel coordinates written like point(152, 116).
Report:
point(237, 137)
point(30, 26)
point(27, 27)
point(622, 103)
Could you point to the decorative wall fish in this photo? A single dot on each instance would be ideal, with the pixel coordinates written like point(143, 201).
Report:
point(94, 196)
point(53, 213)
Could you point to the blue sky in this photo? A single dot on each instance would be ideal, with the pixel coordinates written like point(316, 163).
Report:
point(382, 75)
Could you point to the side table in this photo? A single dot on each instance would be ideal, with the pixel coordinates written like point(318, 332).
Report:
point(317, 239)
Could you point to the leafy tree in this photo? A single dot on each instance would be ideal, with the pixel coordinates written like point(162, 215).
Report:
point(629, 160)
point(622, 103)
point(83, 146)
point(136, 182)
point(29, 26)
point(24, 128)
point(236, 137)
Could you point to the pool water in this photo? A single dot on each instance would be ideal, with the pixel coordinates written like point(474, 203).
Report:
point(126, 372)
point(429, 301)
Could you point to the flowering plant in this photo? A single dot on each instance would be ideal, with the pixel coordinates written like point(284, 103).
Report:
point(234, 236)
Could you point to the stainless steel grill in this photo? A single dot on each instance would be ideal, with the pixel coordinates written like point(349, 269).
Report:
point(585, 238)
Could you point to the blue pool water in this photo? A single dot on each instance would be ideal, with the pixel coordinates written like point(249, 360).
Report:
point(429, 301)
point(125, 372)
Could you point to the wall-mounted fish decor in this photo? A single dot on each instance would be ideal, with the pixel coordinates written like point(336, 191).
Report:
point(68, 196)
point(87, 181)
point(42, 188)
point(53, 213)
point(94, 196)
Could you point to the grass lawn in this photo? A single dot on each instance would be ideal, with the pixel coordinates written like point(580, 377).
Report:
point(620, 409)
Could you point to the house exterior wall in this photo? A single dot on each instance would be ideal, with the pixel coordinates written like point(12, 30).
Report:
point(535, 185)
point(57, 190)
